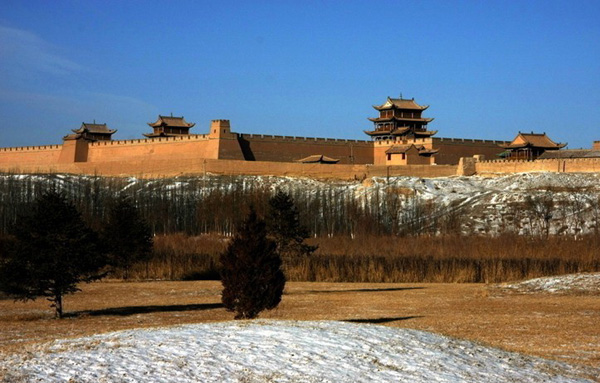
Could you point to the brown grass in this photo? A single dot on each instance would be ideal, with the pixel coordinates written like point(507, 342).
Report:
point(390, 259)
point(561, 327)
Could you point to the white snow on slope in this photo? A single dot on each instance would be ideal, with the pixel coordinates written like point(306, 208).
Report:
point(487, 205)
point(279, 351)
point(572, 283)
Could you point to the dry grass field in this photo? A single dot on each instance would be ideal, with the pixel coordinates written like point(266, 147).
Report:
point(560, 327)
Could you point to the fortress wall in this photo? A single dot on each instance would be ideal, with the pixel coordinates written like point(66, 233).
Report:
point(570, 165)
point(229, 149)
point(29, 155)
point(289, 149)
point(196, 166)
point(379, 154)
point(425, 171)
point(452, 149)
point(193, 146)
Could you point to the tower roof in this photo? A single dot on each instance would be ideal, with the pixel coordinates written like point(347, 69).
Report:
point(394, 118)
point(536, 140)
point(422, 150)
point(400, 103)
point(177, 122)
point(94, 128)
point(318, 158)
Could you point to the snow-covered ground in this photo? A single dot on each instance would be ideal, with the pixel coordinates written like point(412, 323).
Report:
point(585, 283)
point(279, 351)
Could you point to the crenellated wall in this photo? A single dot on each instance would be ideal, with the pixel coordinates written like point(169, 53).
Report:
point(225, 152)
point(162, 148)
point(569, 165)
point(196, 166)
point(452, 149)
point(259, 147)
point(29, 155)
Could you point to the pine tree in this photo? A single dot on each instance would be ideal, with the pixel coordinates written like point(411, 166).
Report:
point(283, 225)
point(251, 271)
point(127, 236)
point(52, 251)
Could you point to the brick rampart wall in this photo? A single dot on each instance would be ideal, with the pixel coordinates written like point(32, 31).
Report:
point(194, 146)
point(29, 155)
point(196, 166)
point(196, 154)
point(452, 149)
point(259, 147)
point(570, 165)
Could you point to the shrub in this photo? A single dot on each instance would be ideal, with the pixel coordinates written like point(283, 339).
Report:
point(283, 226)
point(251, 271)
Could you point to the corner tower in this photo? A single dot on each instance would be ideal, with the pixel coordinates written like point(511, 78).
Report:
point(224, 144)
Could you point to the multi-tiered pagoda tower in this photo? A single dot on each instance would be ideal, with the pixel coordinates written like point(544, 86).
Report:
point(400, 118)
point(401, 136)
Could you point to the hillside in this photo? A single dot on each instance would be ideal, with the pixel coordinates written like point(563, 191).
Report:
point(281, 351)
point(528, 203)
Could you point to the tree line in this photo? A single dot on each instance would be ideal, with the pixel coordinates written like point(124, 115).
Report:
point(211, 205)
point(50, 250)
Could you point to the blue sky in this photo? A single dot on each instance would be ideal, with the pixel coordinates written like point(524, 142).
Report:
point(488, 69)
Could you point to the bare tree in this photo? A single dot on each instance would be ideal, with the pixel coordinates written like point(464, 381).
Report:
point(541, 210)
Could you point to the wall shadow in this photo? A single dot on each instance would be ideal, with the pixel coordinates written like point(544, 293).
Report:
point(365, 290)
point(381, 320)
point(133, 310)
point(246, 149)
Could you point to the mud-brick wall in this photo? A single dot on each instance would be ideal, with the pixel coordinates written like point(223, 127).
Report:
point(452, 149)
point(571, 165)
point(198, 166)
point(165, 148)
point(289, 149)
point(29, 155)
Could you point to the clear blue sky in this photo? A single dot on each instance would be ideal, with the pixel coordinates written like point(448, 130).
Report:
point(306, 68)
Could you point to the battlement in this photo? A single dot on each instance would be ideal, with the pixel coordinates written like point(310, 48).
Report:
point(541, 161)
point(31, 148)
point(250, 136)
point(468, 140)
point(153, 140)
point(557, 165)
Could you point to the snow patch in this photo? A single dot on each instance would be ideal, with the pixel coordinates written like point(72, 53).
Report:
point(279, 351)
point(584, 283)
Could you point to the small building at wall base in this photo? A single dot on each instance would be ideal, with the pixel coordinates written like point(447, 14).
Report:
point(529, 146)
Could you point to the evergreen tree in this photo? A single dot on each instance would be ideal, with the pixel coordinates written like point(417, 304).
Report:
point(283, 225)
point(127, 236)
point(251, 271)
point(52, 252)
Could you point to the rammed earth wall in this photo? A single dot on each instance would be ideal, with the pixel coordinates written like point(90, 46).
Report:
point(452, 149)
point(222, 152)
point(258, 147)
point(29, 155)
point(197, 166)
point(571, 165)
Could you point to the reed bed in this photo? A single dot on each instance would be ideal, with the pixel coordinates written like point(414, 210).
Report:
point(390, 259)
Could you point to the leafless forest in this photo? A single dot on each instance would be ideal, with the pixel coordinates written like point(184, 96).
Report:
point(387, 235)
